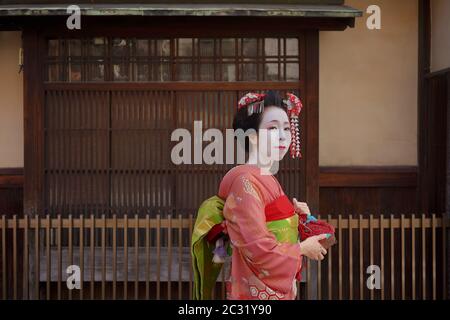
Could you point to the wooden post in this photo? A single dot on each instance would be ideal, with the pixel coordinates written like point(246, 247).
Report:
point(33, 137)
point(446, 217)
point(311, 152)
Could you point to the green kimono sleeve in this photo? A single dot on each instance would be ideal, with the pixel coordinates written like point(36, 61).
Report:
point(205, 270)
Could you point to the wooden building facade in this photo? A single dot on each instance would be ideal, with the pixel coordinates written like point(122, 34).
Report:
point(98, 187)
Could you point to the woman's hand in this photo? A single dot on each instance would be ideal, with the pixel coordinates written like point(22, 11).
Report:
point(301, 207)
point(312, 248)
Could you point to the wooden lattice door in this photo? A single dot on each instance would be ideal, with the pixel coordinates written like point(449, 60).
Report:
point(111, 105)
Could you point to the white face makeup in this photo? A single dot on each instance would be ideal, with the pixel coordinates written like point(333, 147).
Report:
point(277, 128)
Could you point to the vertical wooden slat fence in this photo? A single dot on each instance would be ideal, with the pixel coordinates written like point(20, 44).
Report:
point(409, 251)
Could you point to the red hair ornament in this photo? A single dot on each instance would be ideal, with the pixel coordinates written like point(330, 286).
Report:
point(294, 106)
point(254, 102)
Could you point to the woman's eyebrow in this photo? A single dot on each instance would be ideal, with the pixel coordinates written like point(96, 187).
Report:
point(285, 122)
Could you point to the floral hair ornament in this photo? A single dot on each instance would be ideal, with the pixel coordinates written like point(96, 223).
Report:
point(294, 106)
point(254, 102)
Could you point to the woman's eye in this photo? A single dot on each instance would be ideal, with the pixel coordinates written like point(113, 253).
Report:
point(287, 129)
point(272, 128)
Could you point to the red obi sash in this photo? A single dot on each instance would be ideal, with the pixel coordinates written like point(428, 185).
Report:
point(278, 209)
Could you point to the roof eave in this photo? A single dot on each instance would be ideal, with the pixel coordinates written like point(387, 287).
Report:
point(245, 10)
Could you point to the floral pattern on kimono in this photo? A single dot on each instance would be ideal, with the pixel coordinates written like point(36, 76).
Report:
point(262, 268)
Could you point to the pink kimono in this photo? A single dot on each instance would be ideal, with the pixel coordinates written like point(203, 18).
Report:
point(261, 266)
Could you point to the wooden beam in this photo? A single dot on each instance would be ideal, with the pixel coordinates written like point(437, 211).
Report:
point(310, 121)
point(184, 26)
point(33, 122)
point(423, 124)
point(343, 177)
point(311, 117)
point(69, 2)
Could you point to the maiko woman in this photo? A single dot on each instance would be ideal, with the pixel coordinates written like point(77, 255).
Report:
point(251, 218)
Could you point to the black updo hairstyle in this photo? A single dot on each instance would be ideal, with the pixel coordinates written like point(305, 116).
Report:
point(243, 121)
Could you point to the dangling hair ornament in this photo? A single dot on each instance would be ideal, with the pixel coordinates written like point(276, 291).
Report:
point(294, 106)
point(253, 101)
